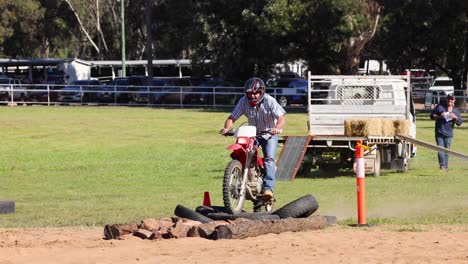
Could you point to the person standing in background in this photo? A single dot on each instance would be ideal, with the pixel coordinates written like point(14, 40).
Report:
point(446, 116)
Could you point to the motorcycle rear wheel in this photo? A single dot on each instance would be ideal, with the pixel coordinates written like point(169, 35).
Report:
point(232, 186)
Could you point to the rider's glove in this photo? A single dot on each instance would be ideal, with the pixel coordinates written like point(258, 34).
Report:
point(275, 130)
point(223, 131)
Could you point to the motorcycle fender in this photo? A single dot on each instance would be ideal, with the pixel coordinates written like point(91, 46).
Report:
point(235, 147)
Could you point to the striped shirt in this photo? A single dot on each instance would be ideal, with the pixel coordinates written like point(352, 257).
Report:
point(263, 116)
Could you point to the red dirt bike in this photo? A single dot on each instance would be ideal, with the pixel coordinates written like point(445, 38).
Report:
point(243, 176)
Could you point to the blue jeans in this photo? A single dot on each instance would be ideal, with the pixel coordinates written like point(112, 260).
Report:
point(269, 147)
point(443, 141)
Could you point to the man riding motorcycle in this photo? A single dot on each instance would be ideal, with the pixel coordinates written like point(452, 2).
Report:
point(263, 112)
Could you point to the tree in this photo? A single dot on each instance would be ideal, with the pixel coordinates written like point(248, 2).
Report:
point(18, 27)
point(236, 39)
point(309, 30)
point(426, 34)
point(362, 18)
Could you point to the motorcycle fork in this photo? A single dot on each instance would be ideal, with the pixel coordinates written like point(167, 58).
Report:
point(250, 152)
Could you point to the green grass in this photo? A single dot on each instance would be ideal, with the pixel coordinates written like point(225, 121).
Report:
point(89, 166)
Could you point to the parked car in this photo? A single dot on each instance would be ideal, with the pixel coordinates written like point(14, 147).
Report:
point(442, 85)
point(150, 94)
point(6, 86)
point(418, 73)
point(47, 92)
point(218, 92)
point(288, 91)
point(116, 91)
point(80, 91)
point(176, 91)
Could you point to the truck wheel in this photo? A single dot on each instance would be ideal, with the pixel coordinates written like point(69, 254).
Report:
point(283, 101)
point(306, 170)
point(405, 166)
point(328, 170)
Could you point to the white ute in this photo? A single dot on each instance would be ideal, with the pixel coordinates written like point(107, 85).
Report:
point(334, 99)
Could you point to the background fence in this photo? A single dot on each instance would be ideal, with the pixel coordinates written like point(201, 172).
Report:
point(171, 96)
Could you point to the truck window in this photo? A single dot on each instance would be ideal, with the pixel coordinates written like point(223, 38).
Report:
point(358, 92)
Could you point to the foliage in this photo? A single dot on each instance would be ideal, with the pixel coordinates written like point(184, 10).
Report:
point(245, 38)
point(236, 41)
point(426, 34)
point(18, 27)
point(55, 28)
point(309, 30)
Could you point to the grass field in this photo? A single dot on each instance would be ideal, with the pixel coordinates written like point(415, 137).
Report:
point(90, 166)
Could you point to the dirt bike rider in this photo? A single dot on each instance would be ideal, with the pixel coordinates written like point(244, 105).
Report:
point(263, 112)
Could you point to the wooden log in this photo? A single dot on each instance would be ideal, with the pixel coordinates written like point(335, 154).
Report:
point(116, 230)
point(143, 234)
point(205, 230)
point(154, 224)
point(261, 227)
point(179, 230)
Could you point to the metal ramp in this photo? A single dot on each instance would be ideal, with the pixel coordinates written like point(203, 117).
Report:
point(291, 156)
point(431, 146)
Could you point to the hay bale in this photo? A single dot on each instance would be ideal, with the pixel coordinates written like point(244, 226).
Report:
point(388, 127)
point(373, 127)
point(363, 127)
point(402, 127)
point(348, 128)
point(376, 127)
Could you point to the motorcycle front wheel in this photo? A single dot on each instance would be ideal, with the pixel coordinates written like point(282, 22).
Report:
point(232, 187)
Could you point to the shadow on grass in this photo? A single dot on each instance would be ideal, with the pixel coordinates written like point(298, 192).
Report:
point(323, 174)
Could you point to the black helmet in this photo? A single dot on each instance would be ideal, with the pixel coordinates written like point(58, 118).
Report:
point(254, 85)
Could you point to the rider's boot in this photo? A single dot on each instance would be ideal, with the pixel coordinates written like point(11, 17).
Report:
point(267, 195)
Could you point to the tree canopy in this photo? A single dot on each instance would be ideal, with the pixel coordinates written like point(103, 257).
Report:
point(246, 38)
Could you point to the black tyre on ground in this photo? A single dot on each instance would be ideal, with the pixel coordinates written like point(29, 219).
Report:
point(185, 212)
point(7, 207)
point(251, 216)
point(204, 209)
point(232, 185)
point(302, 207)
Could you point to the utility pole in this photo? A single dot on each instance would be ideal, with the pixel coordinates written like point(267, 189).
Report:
point(122, 25)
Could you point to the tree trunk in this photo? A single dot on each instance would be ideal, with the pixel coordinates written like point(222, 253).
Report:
point(98, 26)
point(81, 26)
point(356, 44)
point(149, 40)
point(262, 227)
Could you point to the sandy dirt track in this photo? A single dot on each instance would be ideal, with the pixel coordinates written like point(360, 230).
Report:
point(337, 244)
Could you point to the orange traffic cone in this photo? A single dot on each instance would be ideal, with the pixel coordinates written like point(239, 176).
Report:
point(206, 199)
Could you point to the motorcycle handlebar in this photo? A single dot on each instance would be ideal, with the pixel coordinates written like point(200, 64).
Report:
point(231, 132)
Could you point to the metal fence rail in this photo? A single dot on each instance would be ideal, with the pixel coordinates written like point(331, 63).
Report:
point(166, 96)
